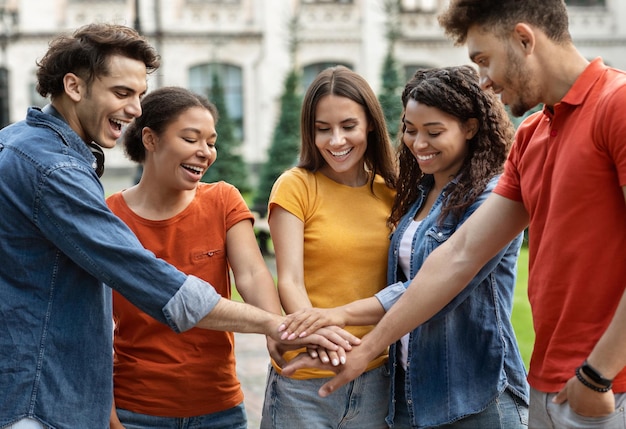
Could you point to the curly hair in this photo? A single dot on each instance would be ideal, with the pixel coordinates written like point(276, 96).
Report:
point(500, 16)
point(343, 82)
point(160, 108)
point(86, 53)
point(455, 91)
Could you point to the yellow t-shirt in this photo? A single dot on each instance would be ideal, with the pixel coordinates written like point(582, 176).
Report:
point(346, 241)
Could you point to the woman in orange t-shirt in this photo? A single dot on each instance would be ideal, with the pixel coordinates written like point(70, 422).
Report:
point(203, 229)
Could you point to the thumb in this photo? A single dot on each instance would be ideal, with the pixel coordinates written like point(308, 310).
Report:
point(560, 397)
point(333, 384)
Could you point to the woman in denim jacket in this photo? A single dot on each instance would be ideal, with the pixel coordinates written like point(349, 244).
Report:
point(462, 368)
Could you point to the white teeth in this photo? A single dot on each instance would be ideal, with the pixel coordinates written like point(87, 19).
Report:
point(342, 153)
point(193, 168)
point(427, 157)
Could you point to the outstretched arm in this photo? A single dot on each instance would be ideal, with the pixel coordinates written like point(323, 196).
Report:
point(444, 274)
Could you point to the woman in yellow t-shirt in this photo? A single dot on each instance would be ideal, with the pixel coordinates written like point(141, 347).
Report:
point(328, 221)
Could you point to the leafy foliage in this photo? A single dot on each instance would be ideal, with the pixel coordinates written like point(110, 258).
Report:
point(285, 145)
point(229, 165)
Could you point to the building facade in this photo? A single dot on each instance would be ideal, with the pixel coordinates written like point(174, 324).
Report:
point(252, 44)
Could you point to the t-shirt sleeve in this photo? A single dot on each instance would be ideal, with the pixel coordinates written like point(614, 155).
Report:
point(289, 192)
point(236, 208)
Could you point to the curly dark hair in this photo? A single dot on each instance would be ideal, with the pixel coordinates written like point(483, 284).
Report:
point(160, 108)
point(500, 16)
point(455, 91)
point(343, 82)
point(86, 53)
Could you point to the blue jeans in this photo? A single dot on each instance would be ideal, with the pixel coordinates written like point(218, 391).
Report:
point(506, 412)
point(544, 414)
point(360, 404)
point(233, 418)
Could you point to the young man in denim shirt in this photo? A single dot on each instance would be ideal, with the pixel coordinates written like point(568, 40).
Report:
point(59, 242)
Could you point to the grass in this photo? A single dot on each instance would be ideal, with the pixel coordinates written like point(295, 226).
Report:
point(521, 317)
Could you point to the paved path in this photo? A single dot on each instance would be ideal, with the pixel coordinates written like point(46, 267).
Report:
point(252, 361)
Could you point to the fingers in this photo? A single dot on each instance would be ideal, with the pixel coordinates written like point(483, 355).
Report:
point(335, 383)
point(303, 360)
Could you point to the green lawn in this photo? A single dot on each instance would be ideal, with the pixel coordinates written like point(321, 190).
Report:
point(521, 317)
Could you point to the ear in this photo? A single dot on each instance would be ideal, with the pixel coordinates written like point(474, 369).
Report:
point(149, 139)
point(74, 86)
point(524, 37)
point(471, 128)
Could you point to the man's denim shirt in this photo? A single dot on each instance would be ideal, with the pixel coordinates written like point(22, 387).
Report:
point(465, 355)
point(59, 243)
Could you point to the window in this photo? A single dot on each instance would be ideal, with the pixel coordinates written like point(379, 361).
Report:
point(313, 70)
point(409, 70)
point(201, 80)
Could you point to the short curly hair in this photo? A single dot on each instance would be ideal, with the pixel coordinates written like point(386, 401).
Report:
point(500, 16)
point(86, 53)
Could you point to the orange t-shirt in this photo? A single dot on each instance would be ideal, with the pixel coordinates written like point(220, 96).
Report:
point(157, 371)
point(568, 169)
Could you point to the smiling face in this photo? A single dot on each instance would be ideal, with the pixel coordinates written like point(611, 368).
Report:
point(341, 129)
point(110, 102)
point(437, 140)
point(179, 157)
point(503, 68)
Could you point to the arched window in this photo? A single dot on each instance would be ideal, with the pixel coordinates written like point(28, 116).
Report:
point(201, 80)
point(312, 70)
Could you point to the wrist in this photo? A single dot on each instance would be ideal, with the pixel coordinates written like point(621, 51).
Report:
point(593, 379)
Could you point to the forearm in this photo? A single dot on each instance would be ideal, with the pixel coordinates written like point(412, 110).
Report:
point(367, 311)
point(234, 316)
point(608, 355)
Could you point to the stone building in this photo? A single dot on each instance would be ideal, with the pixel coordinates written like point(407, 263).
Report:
point(248, 43)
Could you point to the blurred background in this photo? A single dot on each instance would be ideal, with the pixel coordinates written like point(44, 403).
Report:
point(255, 58)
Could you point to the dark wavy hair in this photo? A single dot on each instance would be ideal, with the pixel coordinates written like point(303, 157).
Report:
point(159, 109)
point(86, 53)
point(455, 91)
point(500, 16)
point(343, 82)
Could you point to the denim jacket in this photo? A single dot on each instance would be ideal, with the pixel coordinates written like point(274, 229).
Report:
point(461, 359)
point(59, 243)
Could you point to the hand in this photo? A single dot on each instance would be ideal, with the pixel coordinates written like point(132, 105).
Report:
point(356, 364)
point(584, 401)
point(303, 321)
point(328, 356)
point(330, 337)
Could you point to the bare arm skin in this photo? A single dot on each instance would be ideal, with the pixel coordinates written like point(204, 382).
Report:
point(288, 238)
point(609, 358)
point(444, 274)
point(366, 311)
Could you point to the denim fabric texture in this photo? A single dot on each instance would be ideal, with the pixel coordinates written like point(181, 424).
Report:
point(291, 403)
point(466, 355)
point(59, 244)
point(233, 418)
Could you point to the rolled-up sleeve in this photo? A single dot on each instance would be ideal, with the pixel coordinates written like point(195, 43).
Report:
point(193, 301)
point(390, 295)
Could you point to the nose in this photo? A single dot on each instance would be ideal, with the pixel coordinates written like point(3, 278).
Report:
point(336, 138)
point(415, 142)
point(484, 81)
point(133, 107)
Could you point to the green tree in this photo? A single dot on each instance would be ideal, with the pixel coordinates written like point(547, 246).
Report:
point(390, 95)
point(229, 165)
point(285, 144)
point(392, 77)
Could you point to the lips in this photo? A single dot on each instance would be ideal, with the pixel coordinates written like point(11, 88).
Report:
point(193, 168)
point(342, 153)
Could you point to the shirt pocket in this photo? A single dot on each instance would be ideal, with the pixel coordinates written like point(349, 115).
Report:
point(210, 255)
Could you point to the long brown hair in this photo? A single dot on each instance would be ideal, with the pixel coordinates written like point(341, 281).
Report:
point(343, 82)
